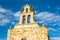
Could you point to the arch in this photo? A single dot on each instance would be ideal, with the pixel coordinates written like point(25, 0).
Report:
point(28, 19)
point(23, 39)
point(26, 9)
point(24, 20)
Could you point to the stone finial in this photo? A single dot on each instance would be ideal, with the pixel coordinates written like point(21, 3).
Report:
point(27, 3)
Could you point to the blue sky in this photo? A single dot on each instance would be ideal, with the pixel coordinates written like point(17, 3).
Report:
point(46, 11)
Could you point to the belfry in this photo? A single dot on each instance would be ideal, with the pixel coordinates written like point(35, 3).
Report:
point(27, 15)
point(27, 28)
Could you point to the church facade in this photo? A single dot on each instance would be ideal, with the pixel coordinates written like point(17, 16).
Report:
point(27, 28)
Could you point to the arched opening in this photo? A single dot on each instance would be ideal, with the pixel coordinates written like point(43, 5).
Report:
point(23, 39)
point(24, 19)
point(28, 19)
point(26, 9)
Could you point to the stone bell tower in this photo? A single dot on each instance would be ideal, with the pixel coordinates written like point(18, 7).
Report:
point(26, 28)
point(27, 15)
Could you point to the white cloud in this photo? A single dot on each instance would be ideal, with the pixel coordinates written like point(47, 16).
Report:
point(55, 38)
point(5, 16)
point(17, 14)
point(58, 8)
point(55, 32)
point(12, 23)
point(48, 17)
point(45, 15)
point(48, 7)
point(4, 21)
point(58, 28)
point(53, 29)
point(4, 10)
point(36, 11)
point(1, 16)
